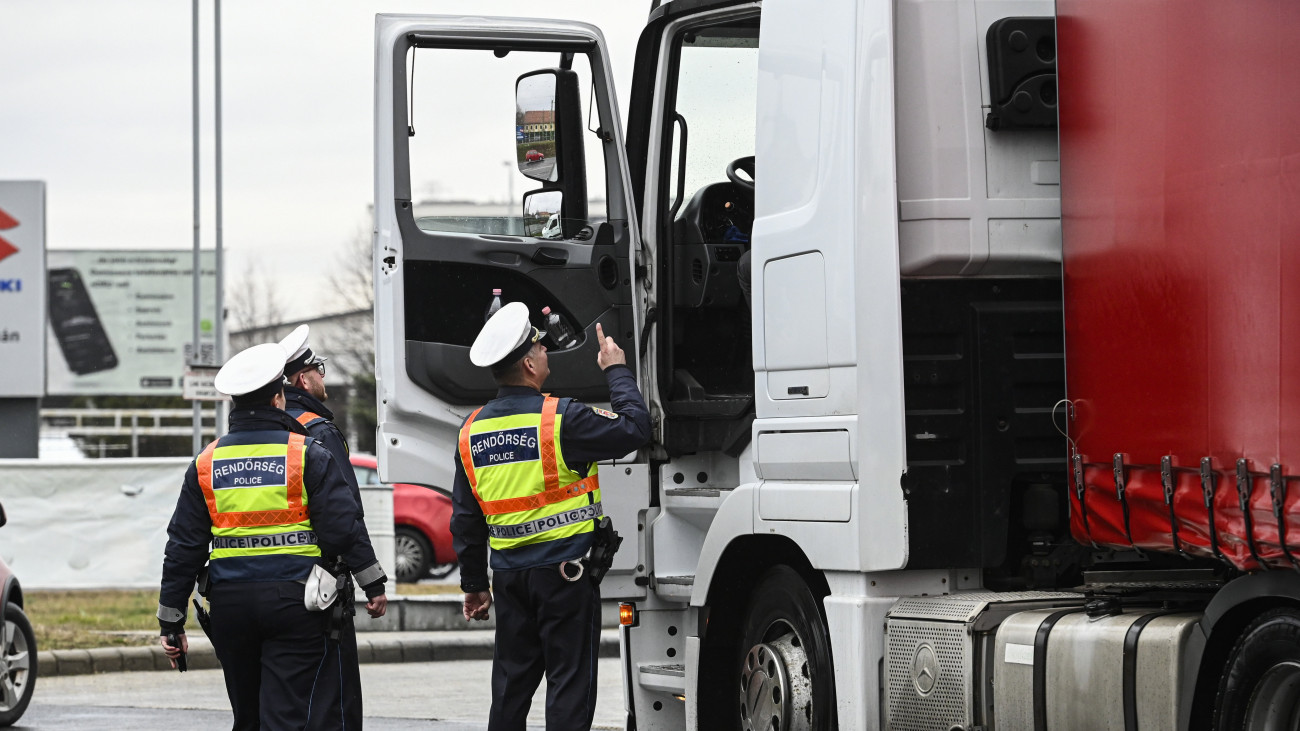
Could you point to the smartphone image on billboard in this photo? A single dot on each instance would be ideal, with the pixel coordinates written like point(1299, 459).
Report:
point(77, 326)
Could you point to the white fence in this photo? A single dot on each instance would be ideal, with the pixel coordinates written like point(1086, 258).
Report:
point(102, 523)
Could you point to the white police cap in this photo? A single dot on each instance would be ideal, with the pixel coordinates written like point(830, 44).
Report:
point(299, 356)
point(506, 337)
point(250, 369)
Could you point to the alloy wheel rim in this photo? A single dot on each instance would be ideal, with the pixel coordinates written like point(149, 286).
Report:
point(17, 661)
point(408, 555)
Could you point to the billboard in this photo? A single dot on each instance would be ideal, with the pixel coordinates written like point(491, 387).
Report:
point(22, 289)
point(120, 321)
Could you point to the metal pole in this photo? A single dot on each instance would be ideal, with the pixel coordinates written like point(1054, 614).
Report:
point(220, 408)
point(194, 116)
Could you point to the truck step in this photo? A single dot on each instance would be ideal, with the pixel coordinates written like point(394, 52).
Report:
point(665, 678)
point(678, 587)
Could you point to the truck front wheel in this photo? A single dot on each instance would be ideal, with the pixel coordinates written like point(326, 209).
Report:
point(1260, 687)
point(786, 677)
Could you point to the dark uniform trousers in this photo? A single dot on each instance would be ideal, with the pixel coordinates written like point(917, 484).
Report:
point(545, 625)
point(281, 670)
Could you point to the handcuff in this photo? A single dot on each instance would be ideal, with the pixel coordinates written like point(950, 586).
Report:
point(567, 566)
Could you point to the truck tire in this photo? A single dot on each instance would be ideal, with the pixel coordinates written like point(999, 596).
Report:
point(18, 665)
point(786, 677)
point(413, 554)
point(1260, 687)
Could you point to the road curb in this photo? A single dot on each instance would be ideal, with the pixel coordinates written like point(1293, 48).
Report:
point(372, 647)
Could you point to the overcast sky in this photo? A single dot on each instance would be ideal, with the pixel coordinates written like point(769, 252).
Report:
point(95, 101)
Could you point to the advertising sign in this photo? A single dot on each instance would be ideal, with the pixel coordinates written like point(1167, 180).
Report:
point(199, 384)
point(121, 321)
point(22, 289)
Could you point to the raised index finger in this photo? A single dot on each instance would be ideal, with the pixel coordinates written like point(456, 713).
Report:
point(600, 335)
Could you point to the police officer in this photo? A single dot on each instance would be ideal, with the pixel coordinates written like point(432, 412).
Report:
point(526, 484)
point(270, 502)
point(304, 395)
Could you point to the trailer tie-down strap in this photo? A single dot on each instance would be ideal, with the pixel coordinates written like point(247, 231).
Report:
point(1207, 489)
point(1245, 483)
point(1120, 486)
point(1080, 492)
point(1277, 491)
point(1167, 482)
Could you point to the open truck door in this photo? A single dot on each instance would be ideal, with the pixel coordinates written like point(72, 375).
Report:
point(471, 110)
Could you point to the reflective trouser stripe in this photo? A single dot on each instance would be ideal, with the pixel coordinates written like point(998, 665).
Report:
point(550, 522)
point(273, 540)
point(170, 614)
point(369, 575)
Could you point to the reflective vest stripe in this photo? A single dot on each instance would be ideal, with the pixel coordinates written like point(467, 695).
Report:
point(308, 417)
point(296, 459)
point(295, 512)
point(541, 499)
point(546, 443)
point(467, 459)
point(204, 467)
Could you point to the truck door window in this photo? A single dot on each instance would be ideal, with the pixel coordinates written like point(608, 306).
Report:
point(717, 84)
point(705, 342)
point(470, 140)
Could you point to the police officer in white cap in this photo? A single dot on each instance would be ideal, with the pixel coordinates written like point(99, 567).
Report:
point(305, 394)
point(262, 506)
point(526, 484)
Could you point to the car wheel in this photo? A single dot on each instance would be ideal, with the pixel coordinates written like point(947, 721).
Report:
point(414, 554)
point(17, 664)
point(785, 673)
point(1260, 687)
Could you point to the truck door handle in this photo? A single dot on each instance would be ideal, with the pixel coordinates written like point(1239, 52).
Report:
point(550, 257)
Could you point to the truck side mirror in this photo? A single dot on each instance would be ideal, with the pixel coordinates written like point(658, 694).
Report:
point(548, 140)
point(542, 217)
point(536, 126)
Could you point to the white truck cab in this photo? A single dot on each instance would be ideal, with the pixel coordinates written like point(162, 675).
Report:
point(851, 436)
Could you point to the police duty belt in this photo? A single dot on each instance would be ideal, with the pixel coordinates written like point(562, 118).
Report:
point(274, 540)
point(550, 522)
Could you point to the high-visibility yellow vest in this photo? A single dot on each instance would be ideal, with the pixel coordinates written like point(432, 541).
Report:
point(516, 468)
point(256, 498)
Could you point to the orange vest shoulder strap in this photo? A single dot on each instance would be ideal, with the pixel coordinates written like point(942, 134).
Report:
point(466, 458)
point(307, 417)
point(546, 442)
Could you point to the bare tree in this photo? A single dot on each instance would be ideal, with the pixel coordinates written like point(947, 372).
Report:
point(353, 280)
point(253, 302)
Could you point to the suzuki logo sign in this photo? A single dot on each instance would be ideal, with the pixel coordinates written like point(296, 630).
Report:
point(6, 222)
point(22, 289)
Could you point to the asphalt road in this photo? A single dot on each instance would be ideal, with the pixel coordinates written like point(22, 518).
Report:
point(445, 696)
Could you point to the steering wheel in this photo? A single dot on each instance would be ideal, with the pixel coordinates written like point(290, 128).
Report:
point(745, 165)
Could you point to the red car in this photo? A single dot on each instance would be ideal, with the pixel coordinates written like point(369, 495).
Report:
point(421, 525)
point(533, 156)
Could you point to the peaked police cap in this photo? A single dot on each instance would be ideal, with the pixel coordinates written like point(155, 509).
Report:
point(251, 369)
point(298, 354)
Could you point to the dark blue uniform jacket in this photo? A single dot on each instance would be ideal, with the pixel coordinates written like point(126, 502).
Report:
point(585, 437)
point(298, 402)
point(335, 519)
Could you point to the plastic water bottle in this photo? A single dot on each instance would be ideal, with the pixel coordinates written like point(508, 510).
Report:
point(493, 306)
point(558, 330)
